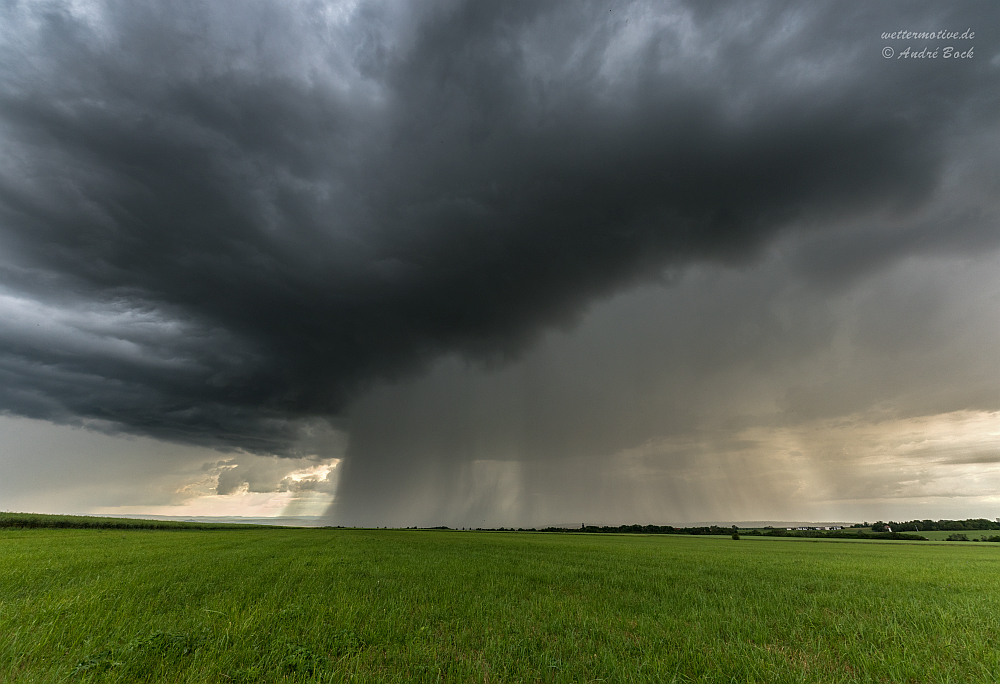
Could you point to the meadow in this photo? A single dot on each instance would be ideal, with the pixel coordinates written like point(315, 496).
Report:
point(332, 605)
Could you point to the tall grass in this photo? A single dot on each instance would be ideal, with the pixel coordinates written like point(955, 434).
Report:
point(89, 522)
point(270, 605)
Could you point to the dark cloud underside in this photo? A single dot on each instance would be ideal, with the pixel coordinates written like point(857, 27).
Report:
point(217, 221)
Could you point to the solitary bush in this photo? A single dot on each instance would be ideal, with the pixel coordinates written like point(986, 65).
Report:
point(736, 535)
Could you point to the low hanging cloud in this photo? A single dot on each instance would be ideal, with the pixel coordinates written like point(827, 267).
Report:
point(232, 225)
point(261, 474)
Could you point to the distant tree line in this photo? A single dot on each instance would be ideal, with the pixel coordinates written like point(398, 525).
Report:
point(958, 536)
point(649, 529)
point(641, 529)
point(715, 529)
point(936, 525)
point(840, 534)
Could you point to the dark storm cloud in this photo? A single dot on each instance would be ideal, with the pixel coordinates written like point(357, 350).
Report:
point(219, 220)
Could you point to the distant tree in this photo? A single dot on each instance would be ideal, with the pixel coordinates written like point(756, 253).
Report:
point(736, 535)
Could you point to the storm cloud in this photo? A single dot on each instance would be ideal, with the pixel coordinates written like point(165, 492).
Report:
point(221, 223)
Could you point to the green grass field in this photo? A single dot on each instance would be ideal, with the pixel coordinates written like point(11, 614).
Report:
point(269, 605)
point(39, 520)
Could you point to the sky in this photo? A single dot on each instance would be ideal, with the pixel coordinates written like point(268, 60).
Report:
point(484, 264)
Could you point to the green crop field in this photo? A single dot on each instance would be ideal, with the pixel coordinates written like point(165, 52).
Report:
point(331, 605)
